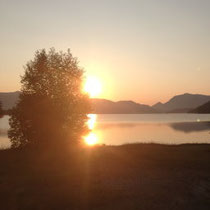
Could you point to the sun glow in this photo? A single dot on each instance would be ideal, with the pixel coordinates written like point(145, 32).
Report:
point(92, 86)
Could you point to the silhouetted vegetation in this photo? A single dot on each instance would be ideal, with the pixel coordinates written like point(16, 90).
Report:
point(52, 108)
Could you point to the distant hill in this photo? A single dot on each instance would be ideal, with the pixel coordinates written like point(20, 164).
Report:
point(102, 106)
point(9, 99)
point(178, 104)
point(182, 103)
point(205, 108)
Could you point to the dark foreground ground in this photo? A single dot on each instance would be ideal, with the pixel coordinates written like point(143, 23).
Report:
point(138, 176)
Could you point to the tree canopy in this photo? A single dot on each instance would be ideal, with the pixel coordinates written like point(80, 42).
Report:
point(52, 108)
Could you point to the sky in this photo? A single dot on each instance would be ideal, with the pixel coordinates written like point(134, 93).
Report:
point(141, 50)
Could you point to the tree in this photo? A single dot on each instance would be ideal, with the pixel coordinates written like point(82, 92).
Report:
point(52, 109)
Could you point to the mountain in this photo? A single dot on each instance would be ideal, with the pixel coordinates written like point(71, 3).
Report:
point(100, 106)
point(182, 103)
point(103, 106)
point(205, 108)
point(9, 99)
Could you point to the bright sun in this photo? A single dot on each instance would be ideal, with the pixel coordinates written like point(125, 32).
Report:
point(92, 86)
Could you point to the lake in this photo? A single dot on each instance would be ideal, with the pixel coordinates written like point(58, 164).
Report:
point(117, 129)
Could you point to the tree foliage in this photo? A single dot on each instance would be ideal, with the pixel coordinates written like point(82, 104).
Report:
point(52, 108)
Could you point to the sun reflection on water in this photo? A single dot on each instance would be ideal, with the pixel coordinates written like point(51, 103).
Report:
point(91, 138)
point(91, 121)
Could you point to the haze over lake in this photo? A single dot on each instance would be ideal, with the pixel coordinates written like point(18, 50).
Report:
point(117, 129)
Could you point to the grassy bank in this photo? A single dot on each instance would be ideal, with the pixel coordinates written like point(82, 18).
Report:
point(137, 176)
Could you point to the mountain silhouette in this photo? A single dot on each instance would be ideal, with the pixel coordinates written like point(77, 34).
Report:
point(9, 99)
point(103, 106)
point(100, 106)
point(205, 108)
point(182, 103)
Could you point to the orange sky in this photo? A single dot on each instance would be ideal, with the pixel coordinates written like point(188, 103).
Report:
point(146, 51)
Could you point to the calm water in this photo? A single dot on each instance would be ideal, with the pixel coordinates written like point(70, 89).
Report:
point(131, 128)
point(4, 141)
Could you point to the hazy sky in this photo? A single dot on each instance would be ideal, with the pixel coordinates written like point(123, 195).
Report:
point(142, 50)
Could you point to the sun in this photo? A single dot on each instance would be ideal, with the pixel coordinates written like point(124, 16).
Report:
point(92, 86)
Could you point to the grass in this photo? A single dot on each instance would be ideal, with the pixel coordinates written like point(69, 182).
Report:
point(134, 176)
